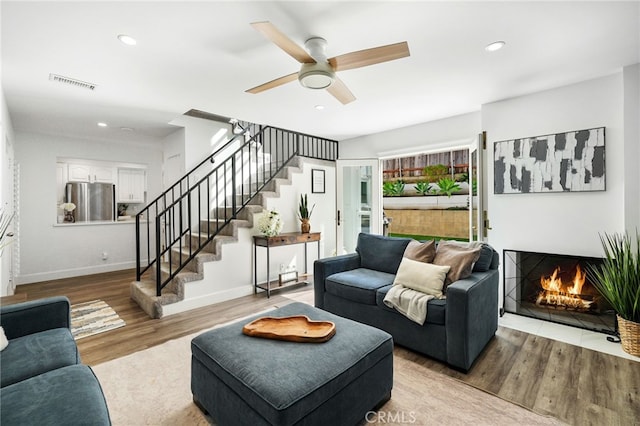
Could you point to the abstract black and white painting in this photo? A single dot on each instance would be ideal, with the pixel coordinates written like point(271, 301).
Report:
point(564, 162)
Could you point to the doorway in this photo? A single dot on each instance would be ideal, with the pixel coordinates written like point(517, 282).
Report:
point(358, 201)
point(433, 195)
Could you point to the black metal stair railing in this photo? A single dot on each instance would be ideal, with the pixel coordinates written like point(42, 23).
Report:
point(173, 193)
point(182, 221)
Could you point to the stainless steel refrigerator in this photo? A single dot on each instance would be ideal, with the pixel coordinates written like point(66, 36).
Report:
point(94, 201)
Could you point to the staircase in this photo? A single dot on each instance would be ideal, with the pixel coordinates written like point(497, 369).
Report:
point(188, 225)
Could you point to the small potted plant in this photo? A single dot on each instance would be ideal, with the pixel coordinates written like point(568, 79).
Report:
point(618, 281)
point(68, 212)
point(304, 214)
point(122, 209)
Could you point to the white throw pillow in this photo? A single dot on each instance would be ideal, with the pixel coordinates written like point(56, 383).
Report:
point(425, 277)
point(3, 339)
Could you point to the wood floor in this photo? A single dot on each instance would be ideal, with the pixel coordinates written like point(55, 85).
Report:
point(576, 385)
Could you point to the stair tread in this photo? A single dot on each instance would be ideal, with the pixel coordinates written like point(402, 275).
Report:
point(223, 220)
point(148, 288)
point(185, 247)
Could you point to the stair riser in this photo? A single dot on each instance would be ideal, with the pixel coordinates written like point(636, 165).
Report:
point(208, 248)
point(226, 230)
point(177, 258)
point(254, 185)
point(246, 213)
point(164, 274)
point(173, 287)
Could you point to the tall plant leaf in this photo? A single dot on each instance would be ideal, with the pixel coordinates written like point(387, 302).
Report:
point(618, 278)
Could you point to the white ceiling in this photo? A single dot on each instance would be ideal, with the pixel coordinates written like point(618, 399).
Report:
point(204, 55)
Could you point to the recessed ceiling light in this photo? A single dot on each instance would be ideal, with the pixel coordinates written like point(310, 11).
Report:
point(128, 40)
point(126, 129)
point(496, 45)
point(319, 107)
point(101, 124)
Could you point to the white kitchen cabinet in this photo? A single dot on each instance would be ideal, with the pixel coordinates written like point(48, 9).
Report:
point(131, 185)
point(85, 173)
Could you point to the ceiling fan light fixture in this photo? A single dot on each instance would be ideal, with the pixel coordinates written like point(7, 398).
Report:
point(316, 80)
point(316, 75)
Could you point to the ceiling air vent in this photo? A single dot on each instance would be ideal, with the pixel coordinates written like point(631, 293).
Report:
point(72, 81)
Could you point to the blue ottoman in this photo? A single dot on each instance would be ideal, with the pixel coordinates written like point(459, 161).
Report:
point(242, 380)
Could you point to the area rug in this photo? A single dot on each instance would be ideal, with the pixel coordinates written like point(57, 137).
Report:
point(93, 317)
point(153, 387)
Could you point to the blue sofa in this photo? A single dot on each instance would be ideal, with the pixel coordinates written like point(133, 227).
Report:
point(456, 329)
point(42, 381)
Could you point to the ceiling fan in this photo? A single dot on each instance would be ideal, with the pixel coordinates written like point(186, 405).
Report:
point(318, 72)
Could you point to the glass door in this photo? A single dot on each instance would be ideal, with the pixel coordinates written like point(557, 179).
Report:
point(359, 200)
point(476, 205)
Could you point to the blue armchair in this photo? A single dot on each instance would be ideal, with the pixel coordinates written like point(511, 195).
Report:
point(41, 378)
point(40, 340)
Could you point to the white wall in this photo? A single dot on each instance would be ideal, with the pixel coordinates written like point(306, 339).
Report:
point(563, 223)
point(6, 194)
point(51, 251)
point(434, 135)
point(173, 167)
point(323, 218)
point(240, 270)
point(202, 138)
point(631, 81)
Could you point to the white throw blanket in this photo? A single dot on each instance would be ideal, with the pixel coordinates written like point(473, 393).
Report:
point(410, 303)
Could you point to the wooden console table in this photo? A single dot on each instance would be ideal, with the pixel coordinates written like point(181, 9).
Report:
point(285, 239)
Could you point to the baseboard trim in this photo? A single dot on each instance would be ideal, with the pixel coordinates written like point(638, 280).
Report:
point(206, 300)
point(70, 273)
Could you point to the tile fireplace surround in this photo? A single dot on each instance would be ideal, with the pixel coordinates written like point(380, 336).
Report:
point(561, 305)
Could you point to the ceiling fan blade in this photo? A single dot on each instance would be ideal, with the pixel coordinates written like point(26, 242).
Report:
point(341, 92)
point(274, 83)
point(366, 57)
point(283, 42)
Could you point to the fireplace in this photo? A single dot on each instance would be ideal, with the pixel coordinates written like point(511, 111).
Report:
point(555, 288)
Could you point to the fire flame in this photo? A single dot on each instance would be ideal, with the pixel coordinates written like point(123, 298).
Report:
point(555, 293)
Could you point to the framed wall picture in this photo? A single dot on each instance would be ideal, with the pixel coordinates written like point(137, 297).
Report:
point(563, 162)
point(317, 181)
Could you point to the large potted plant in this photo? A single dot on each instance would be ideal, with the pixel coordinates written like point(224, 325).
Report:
point(618, 280)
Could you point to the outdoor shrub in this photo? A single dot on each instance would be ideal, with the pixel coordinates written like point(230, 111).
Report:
point(447, 186)
point(393, 189)
point(423, 188)
point(436, 170)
